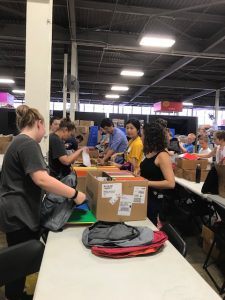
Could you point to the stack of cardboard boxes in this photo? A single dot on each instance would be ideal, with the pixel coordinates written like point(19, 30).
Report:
point(82, 128)
point(187, 168)
point(5, 140)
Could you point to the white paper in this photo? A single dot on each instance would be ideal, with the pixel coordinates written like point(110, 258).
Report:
point(125, 205)
point(110, 190)
point(101, 178)
point(86, 158)
point(114, 199)
point(139, 194)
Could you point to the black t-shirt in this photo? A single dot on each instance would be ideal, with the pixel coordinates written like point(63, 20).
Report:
point(71, 144)
point(20, 198)
point(56, 150)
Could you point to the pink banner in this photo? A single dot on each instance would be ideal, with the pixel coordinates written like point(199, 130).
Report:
point(6, 98)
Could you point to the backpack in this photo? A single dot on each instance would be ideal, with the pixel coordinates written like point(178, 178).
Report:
point(56, 210)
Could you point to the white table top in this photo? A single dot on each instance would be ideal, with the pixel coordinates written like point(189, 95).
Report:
point(192, 186)
point(70, 271)
point(1, 161)
point(217, 199)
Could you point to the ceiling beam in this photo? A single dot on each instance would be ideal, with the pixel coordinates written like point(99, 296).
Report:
point(149, 11)
point(212, 42)
point(197, 95)
point(17, 32)
point(13, 11)
point(110, 79)
point(129, 43)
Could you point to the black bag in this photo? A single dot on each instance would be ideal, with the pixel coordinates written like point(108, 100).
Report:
point(210, 185)
point(56, 210)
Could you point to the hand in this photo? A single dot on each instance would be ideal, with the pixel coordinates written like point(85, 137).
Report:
point(85, 149)
point(101, 162)
point(137, 171)
point(113, 157)
point(81, 197)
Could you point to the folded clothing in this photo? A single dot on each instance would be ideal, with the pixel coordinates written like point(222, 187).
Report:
point(110, 234)
point(158, 241)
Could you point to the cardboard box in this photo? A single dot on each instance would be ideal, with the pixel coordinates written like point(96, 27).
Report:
point(86, 123)
point(81, 177)
point(77, 123)
point(208, 236)
point(5, 140)
point(178, 172)
point(221, 179)
point(3, 147)
point(84, 131)
point(82, 173)
point(118, 201)
point(190, 175)
point(186, 164)
point(94, 153)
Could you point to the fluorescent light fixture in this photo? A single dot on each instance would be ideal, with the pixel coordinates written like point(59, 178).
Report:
point(132, 73)
point(6, 80)
point(119, 88)
point(19, 91)
point(112, 96)
point(187, 104)
point(153, 41)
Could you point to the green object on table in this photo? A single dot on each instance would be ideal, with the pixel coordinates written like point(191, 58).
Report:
point(80, 216)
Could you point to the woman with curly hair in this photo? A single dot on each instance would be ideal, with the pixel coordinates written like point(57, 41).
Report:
point(156, 167)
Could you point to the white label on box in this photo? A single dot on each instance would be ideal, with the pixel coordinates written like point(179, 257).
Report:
point(114, 199)
point(125, 205)
point(109, 190)
point(139, 194)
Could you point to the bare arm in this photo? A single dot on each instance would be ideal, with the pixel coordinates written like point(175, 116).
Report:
point(108, 154)
point(210, 154)
point(182, 148)
point(49, 184)
point(69, 159)
point(113, 157)
point(164, 162)
point(134, 163)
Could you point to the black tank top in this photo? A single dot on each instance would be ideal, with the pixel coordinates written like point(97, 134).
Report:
point(149, 170)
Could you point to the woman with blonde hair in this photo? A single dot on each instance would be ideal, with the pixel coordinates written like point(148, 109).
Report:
point(24, 178)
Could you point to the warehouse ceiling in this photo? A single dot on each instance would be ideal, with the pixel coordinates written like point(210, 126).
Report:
point(108, 32)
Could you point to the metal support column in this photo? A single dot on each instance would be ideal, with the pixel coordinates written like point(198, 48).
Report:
point(217, 105)
point(65, 84)
point(74, 81)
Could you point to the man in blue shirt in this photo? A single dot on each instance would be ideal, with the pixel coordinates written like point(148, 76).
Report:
point(188, 147)
point(117, 141)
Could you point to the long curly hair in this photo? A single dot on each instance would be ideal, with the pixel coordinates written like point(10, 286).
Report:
point(154, 137)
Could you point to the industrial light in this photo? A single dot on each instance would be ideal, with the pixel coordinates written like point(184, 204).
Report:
point(153, 41)
point(6, 80)
point(119, 88)
point(187, 104)
point(112, 96)
point(132, 73)
point(19, 91)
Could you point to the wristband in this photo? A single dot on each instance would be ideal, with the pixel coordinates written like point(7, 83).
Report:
point(75, 195)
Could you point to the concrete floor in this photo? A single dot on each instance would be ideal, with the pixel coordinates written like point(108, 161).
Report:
point(195, 257)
